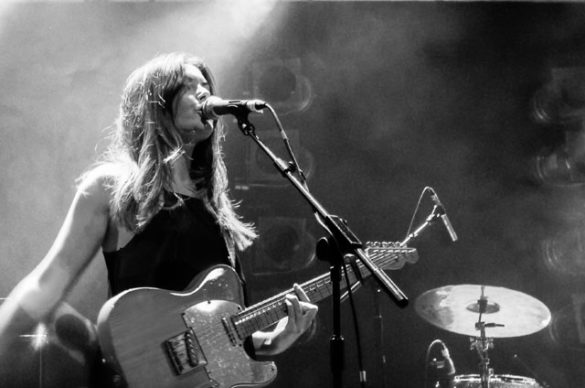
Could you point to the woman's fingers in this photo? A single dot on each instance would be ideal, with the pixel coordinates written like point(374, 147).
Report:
point(302, 295)
point(300, 311)
point(294, 306)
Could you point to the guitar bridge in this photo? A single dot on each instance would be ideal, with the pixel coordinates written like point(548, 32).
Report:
point(184, 352)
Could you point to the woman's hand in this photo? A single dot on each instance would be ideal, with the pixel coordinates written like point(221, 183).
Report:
point(301, 314)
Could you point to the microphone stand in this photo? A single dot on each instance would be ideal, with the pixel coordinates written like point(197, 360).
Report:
point(431, 218)
point(344, 241)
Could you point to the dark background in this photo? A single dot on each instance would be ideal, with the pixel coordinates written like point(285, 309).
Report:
point(402, 96)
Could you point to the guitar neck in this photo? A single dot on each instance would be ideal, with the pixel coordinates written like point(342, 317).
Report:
point(270, 311)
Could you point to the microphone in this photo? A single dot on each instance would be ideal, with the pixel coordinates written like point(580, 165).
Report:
point(214, 106)
point(443, 215)
point(444, 369)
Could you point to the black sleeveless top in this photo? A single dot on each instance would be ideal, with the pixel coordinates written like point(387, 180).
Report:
point(170, 251)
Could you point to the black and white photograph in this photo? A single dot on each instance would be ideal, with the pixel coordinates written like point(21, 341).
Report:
point(292, 194)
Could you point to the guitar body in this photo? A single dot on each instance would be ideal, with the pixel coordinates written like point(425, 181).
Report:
point(158, 338)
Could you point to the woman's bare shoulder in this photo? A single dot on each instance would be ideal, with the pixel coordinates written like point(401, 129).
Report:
point(99, 181)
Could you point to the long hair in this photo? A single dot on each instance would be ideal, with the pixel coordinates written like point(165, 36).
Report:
point(145, 144)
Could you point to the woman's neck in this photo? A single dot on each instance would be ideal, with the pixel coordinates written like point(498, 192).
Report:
point(182, 182)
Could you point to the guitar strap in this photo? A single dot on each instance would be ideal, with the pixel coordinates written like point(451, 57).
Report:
point(235, 261)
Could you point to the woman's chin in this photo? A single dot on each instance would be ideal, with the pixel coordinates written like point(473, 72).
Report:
point(196, 135)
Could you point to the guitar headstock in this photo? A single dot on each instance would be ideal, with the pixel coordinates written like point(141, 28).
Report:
point(390, 255)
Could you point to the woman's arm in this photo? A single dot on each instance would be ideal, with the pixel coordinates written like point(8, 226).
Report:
point(42, 290)
point(301, 314)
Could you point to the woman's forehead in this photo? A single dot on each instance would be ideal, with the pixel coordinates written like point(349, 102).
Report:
point(193, 74)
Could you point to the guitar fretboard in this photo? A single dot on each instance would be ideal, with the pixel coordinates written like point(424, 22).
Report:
point(269, 311)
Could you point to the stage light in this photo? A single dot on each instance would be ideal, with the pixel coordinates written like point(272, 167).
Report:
point(564, 165)
point(285, 246)
point(39, 338)
point(561, 104)
point(564, 254)
point(562, 99)
point(567, 328)
point(280, 82)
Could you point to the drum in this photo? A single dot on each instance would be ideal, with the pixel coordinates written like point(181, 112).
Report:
point(496, 381)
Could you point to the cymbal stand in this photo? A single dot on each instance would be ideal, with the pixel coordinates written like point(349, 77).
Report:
point(482, 344)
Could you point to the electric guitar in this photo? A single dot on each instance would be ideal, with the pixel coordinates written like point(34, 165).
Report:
point(158, 338)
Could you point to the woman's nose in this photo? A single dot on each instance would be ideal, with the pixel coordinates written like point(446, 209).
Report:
point(199, 100)
point(201, 93)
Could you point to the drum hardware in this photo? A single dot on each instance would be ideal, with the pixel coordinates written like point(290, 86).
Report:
point(482, 344)
point(512, 314)
point(496, 381)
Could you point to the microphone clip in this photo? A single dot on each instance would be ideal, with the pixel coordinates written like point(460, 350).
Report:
point(440, 212)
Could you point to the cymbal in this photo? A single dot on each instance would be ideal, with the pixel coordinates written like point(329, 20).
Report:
point(456, 309)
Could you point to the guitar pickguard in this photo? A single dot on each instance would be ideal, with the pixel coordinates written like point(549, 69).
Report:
point(227, 363)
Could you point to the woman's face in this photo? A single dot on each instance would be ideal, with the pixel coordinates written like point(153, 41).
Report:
point(187, 107)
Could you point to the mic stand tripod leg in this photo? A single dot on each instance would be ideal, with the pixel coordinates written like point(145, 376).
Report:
point(380, 329)
point(336, 341)
point(326, 252)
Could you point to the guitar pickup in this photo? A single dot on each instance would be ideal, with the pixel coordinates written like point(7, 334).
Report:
point(184, 352)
